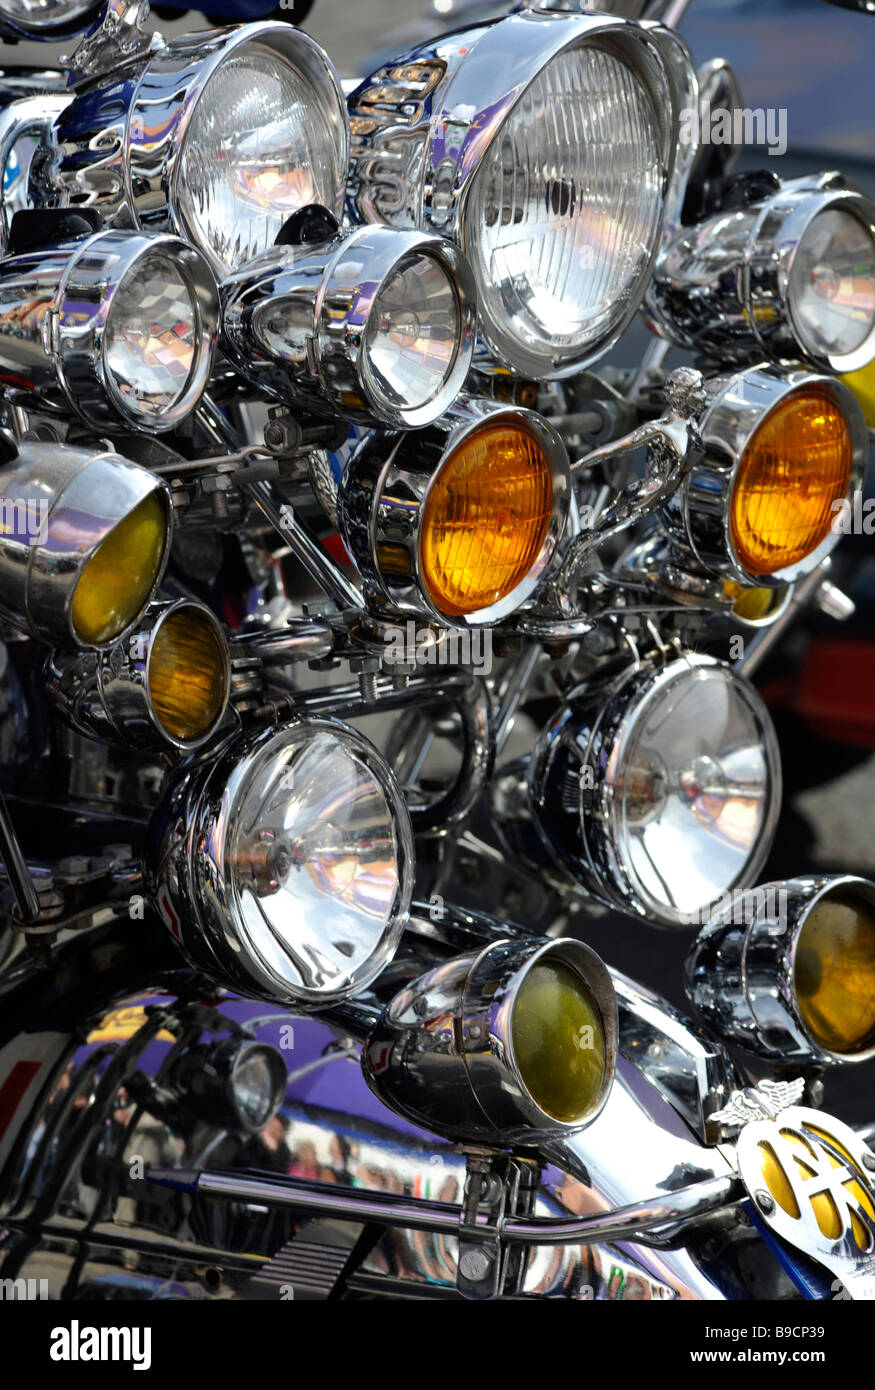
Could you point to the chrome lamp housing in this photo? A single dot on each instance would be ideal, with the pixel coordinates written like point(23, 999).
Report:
point(60, 505)
point(110, 694)
point(119, 327)
point(697, 517)
point(438, 133)
point(657, 789)
point(283, 863)
point(383, 498)
point(303, 322)
point(445, 1052)
point(745, 283)
point(787, 971)
point(128, 144)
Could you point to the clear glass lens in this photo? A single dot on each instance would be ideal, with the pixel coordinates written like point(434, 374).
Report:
point(43, 14)
point(151, 336)
point(313, 860)
point(832, 283)
point(691, 788)
point(566, 207)
point(413, 333)
point(253, 1083)
point(258, 147)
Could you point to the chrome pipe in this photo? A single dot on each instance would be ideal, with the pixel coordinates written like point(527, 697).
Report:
point(328, 576)
point(633, 1222)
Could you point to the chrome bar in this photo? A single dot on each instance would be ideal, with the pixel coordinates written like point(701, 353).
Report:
point(327, 575)
point(388, 1209)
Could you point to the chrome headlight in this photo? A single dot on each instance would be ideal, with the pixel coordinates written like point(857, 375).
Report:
point(381, 322)
point(792, 278)
point(46, 19)
point(508, 1043)
point(167, 684)
point(788, 970)
point(782, 455)
point(220, 137)
point(542, 145)
point(285, 865)
point(461, 521)
point(119, 326)
point(660, 792)
point(84, 542)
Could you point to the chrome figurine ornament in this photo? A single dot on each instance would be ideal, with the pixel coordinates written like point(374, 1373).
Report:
point(401, 511)
point(165, 686)
point(283, 863)
point(787, 971)
point(377, 323)
point(119, 327)
point(790, 278)
point(218, 136)
point(85, 541)
point(517, 1042)
point(736, 514)
point(446, 139)
point(657, 789)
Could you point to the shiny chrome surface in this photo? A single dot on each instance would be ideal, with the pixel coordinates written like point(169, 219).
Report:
point(74, 1181)
point(420, 129)
point(107, 694)
point(739, 973)
point(383, 492)
point(697, 516)
point(55, 305)
point(295, 320)
point(30, 117)
point(75, 497)
point(673, 572)
point(562, 807)
point(724, 287)
point(442, 1055)
point(284, 912)
point(119, 142)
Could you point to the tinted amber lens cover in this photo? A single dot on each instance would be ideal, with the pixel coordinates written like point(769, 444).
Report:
point(558, 1040)
point(795, 467)
point(188, 680)
point(834, 974)
point(485, 519)
point(115, 584)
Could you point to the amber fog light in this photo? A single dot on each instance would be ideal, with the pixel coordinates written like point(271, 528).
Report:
point(782, 452)
point(459, 522)
point(787, 970)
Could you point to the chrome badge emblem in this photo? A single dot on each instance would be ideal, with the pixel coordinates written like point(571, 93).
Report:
point(813, 1182)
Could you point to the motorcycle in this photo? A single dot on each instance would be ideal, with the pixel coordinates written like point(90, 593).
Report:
point(369, 642)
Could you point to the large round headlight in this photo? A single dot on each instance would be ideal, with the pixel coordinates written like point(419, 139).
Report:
point(562, 218)
point(660, 793)
point(543, 145)
point(294, 876)
point(220, 137)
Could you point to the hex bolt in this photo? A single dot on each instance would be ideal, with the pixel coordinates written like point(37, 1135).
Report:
point(475, 1264)
point(765, 1202)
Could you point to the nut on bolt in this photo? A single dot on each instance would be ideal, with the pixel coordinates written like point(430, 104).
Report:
point(282, 435)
